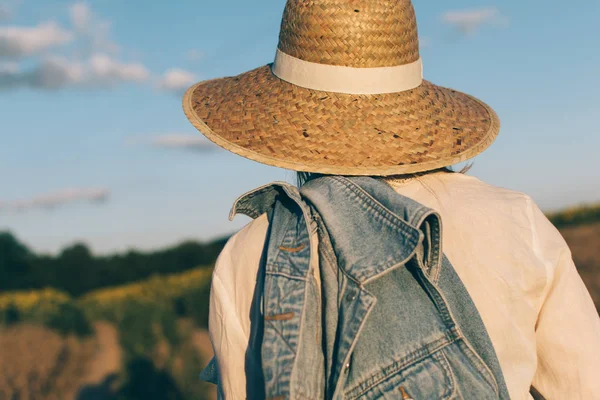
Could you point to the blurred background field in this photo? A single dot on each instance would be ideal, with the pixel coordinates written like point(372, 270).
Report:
point(142, 340)
point(87, 333)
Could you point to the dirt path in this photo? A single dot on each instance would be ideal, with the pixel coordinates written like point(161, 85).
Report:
point(202, 344)
point(201, 341)
point(107, 359)
point(584, 241)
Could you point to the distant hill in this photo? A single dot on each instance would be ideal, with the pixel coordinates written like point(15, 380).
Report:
point(77, 271)
point(579, 215)
point(584, 242)
point(142, 341)
point(132, 326)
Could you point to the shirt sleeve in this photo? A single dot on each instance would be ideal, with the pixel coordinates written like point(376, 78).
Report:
point(229, 343)
point(568, 326)
point(233, 312)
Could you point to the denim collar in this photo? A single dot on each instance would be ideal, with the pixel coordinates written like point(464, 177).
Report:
point(392, 228)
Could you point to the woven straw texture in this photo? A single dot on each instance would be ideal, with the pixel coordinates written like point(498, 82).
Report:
point(266, 119)
point(360, 34)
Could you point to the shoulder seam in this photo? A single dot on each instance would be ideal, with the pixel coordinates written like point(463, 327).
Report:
point(537, 250)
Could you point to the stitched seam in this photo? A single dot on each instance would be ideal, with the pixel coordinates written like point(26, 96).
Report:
point(374, 205)
point(440, 301)
point(388, 269)
point(332, 261)
point(538, 253)
point(421, 214)
point(283, 266)
point(286, 275)
point(254, 193)
point(240, 205)
point(408, 361)
point(368, 298)
point(419, 217)
point(487, 372)
point(251, 212)
point(299, 343)
point(449, 374)
point(413, 358)
point(464, 339)
point(385, 219)
point(438, 253)
point(328, 251)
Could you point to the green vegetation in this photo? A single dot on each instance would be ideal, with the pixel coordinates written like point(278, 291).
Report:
point(76, 271)
point(576, 216)
point(48, 307)
point(147, 311)
point(139, 307)
point(156, 319)
point(156, 300)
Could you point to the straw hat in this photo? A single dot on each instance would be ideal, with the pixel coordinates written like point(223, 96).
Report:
point(345, 95)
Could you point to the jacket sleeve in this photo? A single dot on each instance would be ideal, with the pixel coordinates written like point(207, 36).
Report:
point(568, 326)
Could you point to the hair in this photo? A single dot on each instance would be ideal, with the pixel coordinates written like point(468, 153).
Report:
point(304, 177)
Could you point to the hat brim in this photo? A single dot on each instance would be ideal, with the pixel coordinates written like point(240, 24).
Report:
point(263, 118)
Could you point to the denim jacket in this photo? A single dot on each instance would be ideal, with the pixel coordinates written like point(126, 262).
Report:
point(382, 315)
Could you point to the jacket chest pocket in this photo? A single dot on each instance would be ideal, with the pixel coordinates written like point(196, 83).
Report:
point(429, 378)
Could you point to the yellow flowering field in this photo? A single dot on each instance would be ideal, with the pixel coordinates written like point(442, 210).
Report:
point(48, 307)
point(152, 291)
point(159, 298)
point(29, 300)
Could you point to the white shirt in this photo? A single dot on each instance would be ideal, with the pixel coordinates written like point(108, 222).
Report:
point(514, 263)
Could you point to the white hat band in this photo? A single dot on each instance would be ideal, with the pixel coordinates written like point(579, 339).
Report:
point(349, 80)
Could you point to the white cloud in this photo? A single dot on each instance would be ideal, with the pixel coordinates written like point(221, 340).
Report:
point(19, 42)
point(183, 141)
point(81, 16)
point(58, 198)
point(104, 69)
point(57, 72)
point(469, 21)
point(94, 31)
point(92, 64)
point(176, 80)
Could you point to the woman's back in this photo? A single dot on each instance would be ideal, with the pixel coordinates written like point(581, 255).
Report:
point(519, 272)
point(514, 263)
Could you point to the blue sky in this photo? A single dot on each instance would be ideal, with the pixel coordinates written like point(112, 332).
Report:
point(94, 146)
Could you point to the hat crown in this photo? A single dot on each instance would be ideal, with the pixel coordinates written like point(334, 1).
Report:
point(351, 33)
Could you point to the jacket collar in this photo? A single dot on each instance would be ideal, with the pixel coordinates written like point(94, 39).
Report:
point(373, 229)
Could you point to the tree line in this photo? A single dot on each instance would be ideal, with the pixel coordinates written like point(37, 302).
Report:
point(76, 270)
